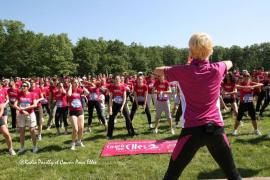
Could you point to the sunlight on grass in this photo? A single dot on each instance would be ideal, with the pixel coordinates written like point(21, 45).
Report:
point(56, 161)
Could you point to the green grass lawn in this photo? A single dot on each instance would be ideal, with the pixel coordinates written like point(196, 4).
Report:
point(251, 154)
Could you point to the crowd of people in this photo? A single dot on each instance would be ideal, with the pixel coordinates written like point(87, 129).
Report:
point(64, 100)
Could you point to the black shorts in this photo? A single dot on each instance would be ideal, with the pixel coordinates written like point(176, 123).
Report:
point(229, 100)
point(2, 122)
point(5, 113)
point(243, 107)
point(107, 99)
point(76, 113)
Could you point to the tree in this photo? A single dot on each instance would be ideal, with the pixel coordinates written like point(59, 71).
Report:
point(87, 55)
point(236, 55)
point(171, 55)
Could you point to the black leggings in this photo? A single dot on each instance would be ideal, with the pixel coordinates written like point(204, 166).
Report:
point(243, 107)
point(129, 95)
point(178, 113)
point(261, 96)
point(265, 103)
point(91, 105)
point(46, 107)
point(115, 109)
point(134, 109)
point(191, 140)
point(61, 113)
point(13, 116)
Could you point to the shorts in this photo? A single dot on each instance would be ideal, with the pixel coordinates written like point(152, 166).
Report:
point(243, 107)
point(29, 120)
point(39, 115)
point(229, 100)
point(107, 99)
point(5, 113)
point(76, 113)
point(163, 106)
point(2, 122)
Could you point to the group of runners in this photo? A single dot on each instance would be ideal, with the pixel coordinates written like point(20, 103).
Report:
point(65, 99)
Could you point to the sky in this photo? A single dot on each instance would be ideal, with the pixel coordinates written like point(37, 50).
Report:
point(146, 22)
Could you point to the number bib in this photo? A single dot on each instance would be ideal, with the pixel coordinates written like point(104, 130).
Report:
point(118, 99)
point(24, 104)
point(59, 103)
point(163, 97)
point(76, 103)
point(12, 99)
point(44, 101)
point(93, 96)
point(140, 99)
point(248, 98)
point(227, 96)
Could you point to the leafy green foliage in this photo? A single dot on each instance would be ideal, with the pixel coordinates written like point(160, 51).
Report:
point(25, 53)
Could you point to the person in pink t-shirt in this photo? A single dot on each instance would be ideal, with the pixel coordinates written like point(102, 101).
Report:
point(4, 99)
point(163, 91)
point(13, 92)
point(76, 112)
point(140, 99)
point(25, 104)
point(117, 104)
point(246, 89)
point(60, 96)
point(36, 91)
point(151, 96)
point(202, 123)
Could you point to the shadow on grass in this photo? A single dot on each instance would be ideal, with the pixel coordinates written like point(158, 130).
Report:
point(256, 140)
point(94, 138)
point(251, 134)
point(3, 151)
point(17, 139)
point(172, 137)
point(67, 142)
point(218, 173)
point(50, 148)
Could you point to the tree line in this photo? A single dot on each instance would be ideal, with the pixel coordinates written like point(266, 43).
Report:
point(26, 53)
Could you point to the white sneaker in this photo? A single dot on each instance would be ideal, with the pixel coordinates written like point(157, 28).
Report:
point(21, 150)
point(115, 121)
point(150, 126)
point(79, 143)
point(172, 131)
point(11, 152)
point(155, 130)
point(234, 133)
point(73, 146)
point(257, 132)
point(35, 149)
point(48, 128)
point(39, 138)
point(89, 130)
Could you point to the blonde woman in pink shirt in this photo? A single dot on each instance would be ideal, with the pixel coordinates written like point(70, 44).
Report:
point(202, 123)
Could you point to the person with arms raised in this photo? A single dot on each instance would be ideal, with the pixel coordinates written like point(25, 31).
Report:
point(202, 123)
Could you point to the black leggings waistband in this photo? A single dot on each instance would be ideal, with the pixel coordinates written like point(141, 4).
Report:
point(210, 129)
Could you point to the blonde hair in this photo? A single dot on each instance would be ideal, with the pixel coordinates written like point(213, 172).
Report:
point(200, 46)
